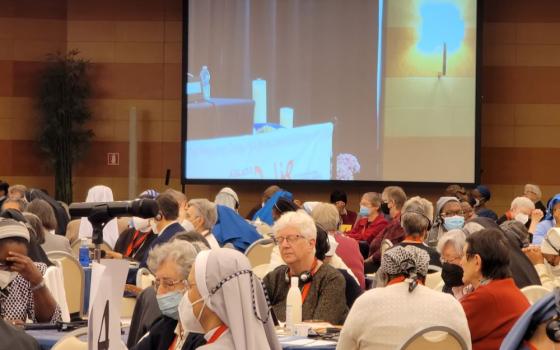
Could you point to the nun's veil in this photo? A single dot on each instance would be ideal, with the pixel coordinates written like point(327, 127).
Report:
point(230, 289)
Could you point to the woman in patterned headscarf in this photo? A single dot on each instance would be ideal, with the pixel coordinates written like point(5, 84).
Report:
point(403, 307)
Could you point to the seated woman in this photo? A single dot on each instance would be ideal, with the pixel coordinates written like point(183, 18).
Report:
point(416, 222)
point(227, 302)
point(450, 246)
point(496, 303)
point(371, 222)
point(384, 318)
point(546, 259)
point(322, 286)
point(171, 263)
point(23, 293)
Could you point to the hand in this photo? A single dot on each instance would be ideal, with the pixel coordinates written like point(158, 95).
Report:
point(536, 215)
point(534, 254)
point(132, 289)
point(298, 203)
point(25, 267)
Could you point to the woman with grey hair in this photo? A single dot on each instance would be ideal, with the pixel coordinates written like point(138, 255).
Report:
point(202, 214)
point(416, 222)
point(402, 307)
point(323, 287)
point(171, 264)
point(450, 246)
point(227, 197)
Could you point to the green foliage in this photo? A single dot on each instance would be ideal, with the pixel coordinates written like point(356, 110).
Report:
point(62, 103)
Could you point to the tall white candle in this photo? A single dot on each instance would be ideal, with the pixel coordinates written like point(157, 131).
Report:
point(259, 96)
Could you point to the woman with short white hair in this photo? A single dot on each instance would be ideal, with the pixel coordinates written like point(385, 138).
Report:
point(522, 209)
point(322, 286)
point(450, 247)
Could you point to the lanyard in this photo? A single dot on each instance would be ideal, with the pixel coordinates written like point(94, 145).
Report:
point(217, 334)
point(135, 243)
point(307, 286)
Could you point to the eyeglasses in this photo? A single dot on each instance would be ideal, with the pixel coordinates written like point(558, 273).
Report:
point(168, 283)
point(290, 239)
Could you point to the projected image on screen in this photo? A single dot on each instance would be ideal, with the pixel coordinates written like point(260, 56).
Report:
point(330, 89)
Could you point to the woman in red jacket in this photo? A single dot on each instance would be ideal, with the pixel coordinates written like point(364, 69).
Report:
point(496, 303)
point(371, 222)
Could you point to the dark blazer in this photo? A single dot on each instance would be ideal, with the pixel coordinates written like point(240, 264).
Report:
point(165, 236)
point(162, 334)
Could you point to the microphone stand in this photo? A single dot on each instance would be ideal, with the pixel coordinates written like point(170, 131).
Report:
point(99, 217)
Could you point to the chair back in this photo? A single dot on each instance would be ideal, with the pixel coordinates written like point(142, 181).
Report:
point(261, 270)
point(74, 282)
point(534, 293)
point(54, 280)
point(144, 278)
point(435, 338)
point(260, 251)
point(127, 307)
point(385, 244)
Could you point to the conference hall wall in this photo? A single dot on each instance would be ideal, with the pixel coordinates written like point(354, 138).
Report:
point(135, 47)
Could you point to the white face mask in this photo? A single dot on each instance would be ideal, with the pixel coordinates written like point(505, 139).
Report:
point(187, 225)
point(522, 218)
point(189, 321)
point(141, 224)
point(6, 277)
point(153, 225)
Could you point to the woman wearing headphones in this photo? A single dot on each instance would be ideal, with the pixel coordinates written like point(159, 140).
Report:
point(322, 286)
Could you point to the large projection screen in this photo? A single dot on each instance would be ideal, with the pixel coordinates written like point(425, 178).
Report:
point(361, 90)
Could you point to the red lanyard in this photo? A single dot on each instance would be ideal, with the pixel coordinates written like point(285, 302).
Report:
point(134, 244)
point(307, 286)
point(217, 334)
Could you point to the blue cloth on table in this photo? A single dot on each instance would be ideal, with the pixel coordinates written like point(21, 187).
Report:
point(234, 229)
point(265, 213)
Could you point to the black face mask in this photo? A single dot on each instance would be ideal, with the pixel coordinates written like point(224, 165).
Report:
point(385, 208)
point(452, 275)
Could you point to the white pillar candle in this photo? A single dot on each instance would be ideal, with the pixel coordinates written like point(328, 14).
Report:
point(287, 117)
point(259, 96)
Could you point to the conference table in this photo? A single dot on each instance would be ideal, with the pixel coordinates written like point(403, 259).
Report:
point(47, 339)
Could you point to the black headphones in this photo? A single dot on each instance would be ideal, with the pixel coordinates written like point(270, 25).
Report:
point(418, 212)
point(304, 277)
point(553, 326)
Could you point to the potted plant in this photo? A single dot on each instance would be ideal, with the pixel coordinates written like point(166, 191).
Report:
point(62, 103)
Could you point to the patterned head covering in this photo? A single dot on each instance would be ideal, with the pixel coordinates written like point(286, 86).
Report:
point(149, 193)
point(408, 261)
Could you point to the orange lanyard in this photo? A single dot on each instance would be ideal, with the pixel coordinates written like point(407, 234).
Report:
point(135, 243)
point(307, 286)
point(217, 334)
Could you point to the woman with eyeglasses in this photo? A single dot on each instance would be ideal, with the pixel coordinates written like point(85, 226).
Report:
point(227, 303)
point(322, 286)
point(496, 303)
point(171, 263)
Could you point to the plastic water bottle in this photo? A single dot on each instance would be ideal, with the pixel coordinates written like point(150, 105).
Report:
point(84, 253)
point(205, 82)
point(293, 305)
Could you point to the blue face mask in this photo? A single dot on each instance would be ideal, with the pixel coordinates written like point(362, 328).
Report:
point(453, 222)
point(364, 211)
point(169, 304)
